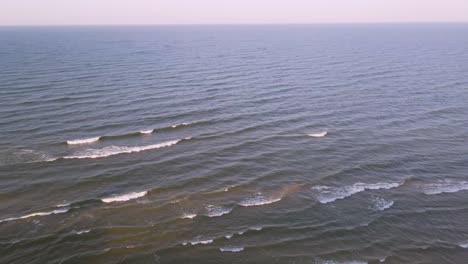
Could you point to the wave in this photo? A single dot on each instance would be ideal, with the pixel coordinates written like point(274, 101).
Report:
point(139, 133)
point(197, 242)
point(57, 211)
point(83, 141)
point(328, 194)
point(82, 232)
point(125, 197)
point(146, 132)
point(231, 249)
point(321, 134)
point(115, 150)
point(463, 245)
point(188, 216)
point(446, 186)
point(215, 211)
point(380, 204)
point(258, 199)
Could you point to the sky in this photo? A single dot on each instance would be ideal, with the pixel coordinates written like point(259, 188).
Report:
point(122, 12)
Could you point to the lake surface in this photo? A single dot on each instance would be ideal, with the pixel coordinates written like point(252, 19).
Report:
point(207, 144)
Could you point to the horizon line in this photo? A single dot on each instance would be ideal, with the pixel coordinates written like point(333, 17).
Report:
point(238, 24)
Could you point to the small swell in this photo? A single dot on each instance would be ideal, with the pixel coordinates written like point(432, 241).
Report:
point(115, 150)
point(146, 132)
point(318, 135)
point(328, 194)
point(258, 199)
point(56, 211)
point(125, 197)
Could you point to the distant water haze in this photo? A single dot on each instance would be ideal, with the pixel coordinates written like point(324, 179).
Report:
point(121, 12)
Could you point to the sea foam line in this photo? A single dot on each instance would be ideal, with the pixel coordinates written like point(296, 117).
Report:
point(328, 194)
point(57, 211)
point(124, 197)
point(115, 150)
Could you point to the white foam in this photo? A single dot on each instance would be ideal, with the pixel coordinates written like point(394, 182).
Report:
point(197, 242)
point(259, 199)
point(215, 211)
point(125, 197)
point(83, 141)
point(229, 236)
point(56, 211)
point(330, 194)
point(463, 245)
point(256, 228)
point(321, 134)
point(115, 150)
point(145, 132)
point(380, 204)
point(188, 216)
point(446, 186)
point(183, 124)
point(231, 249)
point(82, 232)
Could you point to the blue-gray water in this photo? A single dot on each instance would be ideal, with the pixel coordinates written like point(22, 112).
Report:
point(233, 165)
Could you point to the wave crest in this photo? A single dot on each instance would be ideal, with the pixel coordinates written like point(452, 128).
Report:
point(115, 150)
point(317, 135)
point(57, 211)
point(328, 194)
point(83, 141)
point(258, 199)
point(125, 197)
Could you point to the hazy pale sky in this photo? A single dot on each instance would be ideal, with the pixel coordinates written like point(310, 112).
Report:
point(79, 12)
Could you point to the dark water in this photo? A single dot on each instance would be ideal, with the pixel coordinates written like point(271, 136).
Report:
point(227, 171)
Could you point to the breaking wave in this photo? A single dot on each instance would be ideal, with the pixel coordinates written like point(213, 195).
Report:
point(231, 249)
point(115, 150)
point(446, 186)
point(258, 199)
point(321, 134)
point(328, 194)
point(83, 141)
point(57, 211)
point(214, 210)
point(380, 204)
point(125, 197)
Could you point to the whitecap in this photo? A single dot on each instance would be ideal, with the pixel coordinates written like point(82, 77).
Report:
point(380, 204)
point(125, 197)
point(183, 124)
point(258, 199)
point(83, 141)
point(328, 194)
point(231, 249)
point(188, 216)
point(115, 150)
point(82, 232)
point(321, 134)
point(215, 211)
point(197, 242)
point(145, 132)
point(57, 211)
point(229, 236)
point(463, 245)
point(446, 186)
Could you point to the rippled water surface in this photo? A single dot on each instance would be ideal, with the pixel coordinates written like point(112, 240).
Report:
point(234, 144)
